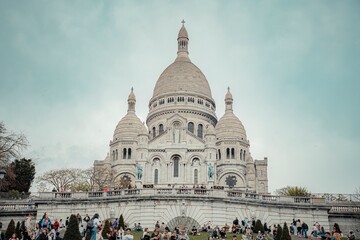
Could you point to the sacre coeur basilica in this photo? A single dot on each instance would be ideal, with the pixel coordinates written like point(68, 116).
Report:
point(184, 167)
point(183, 143)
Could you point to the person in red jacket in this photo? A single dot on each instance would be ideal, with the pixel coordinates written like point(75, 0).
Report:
point(56, 225)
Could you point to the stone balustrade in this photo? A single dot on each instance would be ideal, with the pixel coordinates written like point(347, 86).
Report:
point(17, 207)
point(216, 193)
point(344, 209)
point(231, 195)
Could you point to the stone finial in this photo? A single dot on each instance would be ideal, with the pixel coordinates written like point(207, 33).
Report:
point(131, 101)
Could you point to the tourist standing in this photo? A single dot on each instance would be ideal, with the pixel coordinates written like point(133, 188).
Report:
point(94, 222)
point(45, 222)
point(351, 235)
point(128, 235)
point(43, 235)
point(14, 237)
point(120, 233)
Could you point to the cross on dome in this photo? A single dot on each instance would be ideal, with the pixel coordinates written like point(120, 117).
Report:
point(183, 39)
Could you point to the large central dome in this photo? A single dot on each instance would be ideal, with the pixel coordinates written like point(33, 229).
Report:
point(182, 88)
point(182, 76)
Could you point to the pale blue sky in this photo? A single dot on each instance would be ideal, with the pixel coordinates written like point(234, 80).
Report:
point(66, 69)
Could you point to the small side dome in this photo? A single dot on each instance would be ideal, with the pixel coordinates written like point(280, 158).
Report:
point(130, 126)
point(229, 125)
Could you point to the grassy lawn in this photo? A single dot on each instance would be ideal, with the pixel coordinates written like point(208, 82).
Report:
point(203, 236)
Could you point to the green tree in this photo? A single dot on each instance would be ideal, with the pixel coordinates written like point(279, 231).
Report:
point(25, 174)
point(121, 222)
point(278, 233)
point(10, 229)
point(258, 226)
point(106, 229)
point(285, 233)
point(72, 231)
point(18, 231)
point(293, 191)
point(10, 176)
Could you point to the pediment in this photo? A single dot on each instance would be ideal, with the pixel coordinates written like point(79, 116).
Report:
point(171, 121)
point(176, 137)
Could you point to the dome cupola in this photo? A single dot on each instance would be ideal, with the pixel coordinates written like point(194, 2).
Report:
point(130, 126)
point(229, 126)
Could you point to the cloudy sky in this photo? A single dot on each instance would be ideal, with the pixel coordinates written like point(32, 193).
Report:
point(67, 67)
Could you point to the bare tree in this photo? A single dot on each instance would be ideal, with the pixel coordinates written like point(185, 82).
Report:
point(11, 144)
point(357, 190)
point(101, 177)
point(60, 179)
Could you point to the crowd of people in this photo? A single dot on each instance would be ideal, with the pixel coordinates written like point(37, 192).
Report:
point(46, 229)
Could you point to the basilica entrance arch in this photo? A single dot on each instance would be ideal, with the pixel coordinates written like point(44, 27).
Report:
point(183, 221)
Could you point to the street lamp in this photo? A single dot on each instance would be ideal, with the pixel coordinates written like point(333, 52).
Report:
point(2, 173)
point(112, 213)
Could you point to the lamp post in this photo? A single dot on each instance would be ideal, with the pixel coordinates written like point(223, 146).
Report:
point(2, 173)
point(112, 214)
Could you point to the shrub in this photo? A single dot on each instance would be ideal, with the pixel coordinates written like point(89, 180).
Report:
point(106, 229)
point(285, 233)
point(10, 229)
point(72, 230)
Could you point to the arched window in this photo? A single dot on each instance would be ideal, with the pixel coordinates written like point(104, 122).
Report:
point(156, 177)
point(244, 154)
point(116, 154)
point(241, 154)
point(154, 132)
point(191, 127)
point(196, 176)
point(161, 128)
point(219, 154)
point(227, 153)
point(232, 153)
point(124, 153)
point(129, 153)
point(200, 131)
point(176, 166)
point(113, 155)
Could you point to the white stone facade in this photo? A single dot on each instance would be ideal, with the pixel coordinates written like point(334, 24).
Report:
point(183, 143)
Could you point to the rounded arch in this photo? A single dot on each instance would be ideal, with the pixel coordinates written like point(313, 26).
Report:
point(195, 162)
point(155, 155)
point(180, 155)
point(239, 176)
point(123, 180)
point(195, 155)
point(191, 127)
point(155, 162)
point(161, 128)
point(177, 122)
point(175, 159)
point(183, 221)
